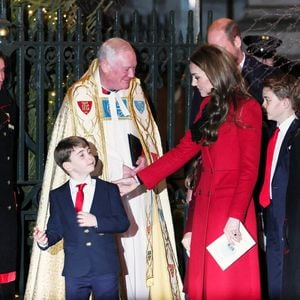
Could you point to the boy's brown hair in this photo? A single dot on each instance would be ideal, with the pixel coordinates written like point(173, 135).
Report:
point(285, 86)
point(66, 146)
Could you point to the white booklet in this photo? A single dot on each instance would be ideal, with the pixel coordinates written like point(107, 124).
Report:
point(225, 253)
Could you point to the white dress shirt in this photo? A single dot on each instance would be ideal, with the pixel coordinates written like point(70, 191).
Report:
point(89, 191)
point(242, 61)
point(283, 128)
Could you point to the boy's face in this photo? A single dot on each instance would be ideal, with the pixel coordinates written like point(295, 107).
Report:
point(275, 107)
point(81, 162)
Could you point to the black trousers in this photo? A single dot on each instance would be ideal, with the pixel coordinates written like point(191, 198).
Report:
point(7, 291)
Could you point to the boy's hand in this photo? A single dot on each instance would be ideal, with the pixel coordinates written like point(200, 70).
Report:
point(40, 237)
point(85, 219)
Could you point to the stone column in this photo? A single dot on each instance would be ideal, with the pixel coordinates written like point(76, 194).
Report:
point(277, 18)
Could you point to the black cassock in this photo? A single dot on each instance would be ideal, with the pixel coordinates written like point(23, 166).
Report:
point(8, 209)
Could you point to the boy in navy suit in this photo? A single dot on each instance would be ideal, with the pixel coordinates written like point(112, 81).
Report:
point(281, 101)
point(91, 260)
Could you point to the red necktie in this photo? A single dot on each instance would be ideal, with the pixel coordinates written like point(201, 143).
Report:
point(79, 197)
point(264, 196)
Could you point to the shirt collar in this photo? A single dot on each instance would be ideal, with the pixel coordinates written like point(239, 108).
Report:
point(243, 61)
point(284, 126)
point(74, 182)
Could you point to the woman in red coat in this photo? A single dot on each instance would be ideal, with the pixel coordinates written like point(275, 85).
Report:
point(227, 133)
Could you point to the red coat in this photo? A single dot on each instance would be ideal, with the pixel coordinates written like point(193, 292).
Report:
point(229, 173)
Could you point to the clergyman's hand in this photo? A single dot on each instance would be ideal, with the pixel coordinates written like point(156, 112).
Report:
point(141, 163)
point(128, 172)
point(186, 242)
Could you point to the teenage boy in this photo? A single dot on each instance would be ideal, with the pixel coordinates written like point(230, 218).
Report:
point(281, 101)
point(91, 260)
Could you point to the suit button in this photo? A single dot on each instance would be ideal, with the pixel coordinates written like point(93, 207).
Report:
point(88, 244)
point(4, 133)
point(8, 157)
point(8, 182)
point(86, 231)
point(9, 207)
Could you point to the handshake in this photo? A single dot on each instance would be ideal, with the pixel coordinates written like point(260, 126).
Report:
point(129, 185)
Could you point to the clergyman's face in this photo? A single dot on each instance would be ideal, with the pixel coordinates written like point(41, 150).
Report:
point(2, 72)
point(122, 70)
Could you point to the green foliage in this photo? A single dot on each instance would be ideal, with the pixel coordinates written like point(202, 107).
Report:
point(51, 6)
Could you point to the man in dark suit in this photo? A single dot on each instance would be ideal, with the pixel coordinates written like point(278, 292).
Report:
point(91, 258)
point(280, 102)
point(291, 259)
point(8, 207)
point(226, 33)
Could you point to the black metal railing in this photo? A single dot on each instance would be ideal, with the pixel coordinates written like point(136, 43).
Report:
point(46, 60)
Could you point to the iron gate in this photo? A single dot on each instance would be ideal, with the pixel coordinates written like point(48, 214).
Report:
point(46, 60)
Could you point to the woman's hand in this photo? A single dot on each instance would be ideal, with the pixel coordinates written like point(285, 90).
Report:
point(232, 230)
point(126, 185)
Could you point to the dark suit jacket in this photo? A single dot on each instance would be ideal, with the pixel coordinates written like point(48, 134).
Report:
point(291, 261)
point(281, 174)
point(88, 250)
point(254, 73)
point(8, 205)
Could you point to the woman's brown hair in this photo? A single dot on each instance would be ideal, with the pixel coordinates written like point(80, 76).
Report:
point(227, 81)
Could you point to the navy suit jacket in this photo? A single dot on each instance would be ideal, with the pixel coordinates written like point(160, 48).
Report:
point(254, 73)
point(291, 264)
point(88, 250)
point(281, 176)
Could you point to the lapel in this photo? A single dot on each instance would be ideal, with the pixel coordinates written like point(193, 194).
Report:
point(247, 70)
point(288, 139)
point(67, 201)
point(98, 192)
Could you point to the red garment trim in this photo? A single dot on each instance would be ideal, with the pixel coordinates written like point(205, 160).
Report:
point(4, 106)
point(154, 156)
point(7, 277)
